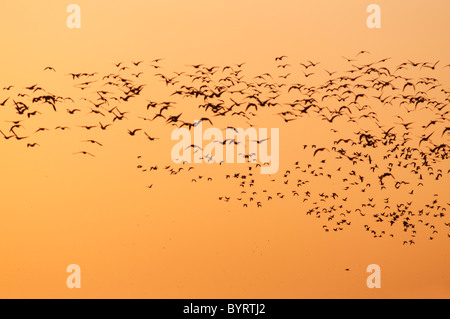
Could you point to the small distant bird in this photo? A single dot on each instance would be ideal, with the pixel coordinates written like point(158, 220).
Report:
point(93, 142)
point(133, 132)
point(85, 153)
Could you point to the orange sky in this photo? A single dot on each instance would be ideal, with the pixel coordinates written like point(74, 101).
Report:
point(177, 240)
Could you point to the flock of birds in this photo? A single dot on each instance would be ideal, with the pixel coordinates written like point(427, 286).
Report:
point(387, 132)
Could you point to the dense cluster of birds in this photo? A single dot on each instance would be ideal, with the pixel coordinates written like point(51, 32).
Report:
point(387, 132)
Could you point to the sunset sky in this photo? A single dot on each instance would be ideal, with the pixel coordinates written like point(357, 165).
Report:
point(176, 239)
